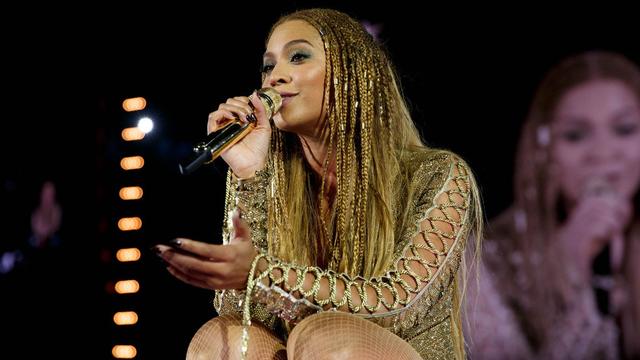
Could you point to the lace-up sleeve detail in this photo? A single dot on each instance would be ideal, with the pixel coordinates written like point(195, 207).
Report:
point(427, 257)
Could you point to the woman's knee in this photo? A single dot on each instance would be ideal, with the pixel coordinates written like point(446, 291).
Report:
point(215, 338)
point(336, 335)
point(328, 335)
point(221, 338)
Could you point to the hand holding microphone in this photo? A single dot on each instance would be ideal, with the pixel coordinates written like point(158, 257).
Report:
point(596, 220)
point(240, 132)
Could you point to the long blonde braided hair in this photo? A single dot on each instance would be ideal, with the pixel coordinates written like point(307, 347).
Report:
point(368, 128)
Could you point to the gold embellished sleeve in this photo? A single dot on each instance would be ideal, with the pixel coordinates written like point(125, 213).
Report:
point(250, 196)
point(431, 250)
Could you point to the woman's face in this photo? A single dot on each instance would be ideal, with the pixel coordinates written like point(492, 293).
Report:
point(294, 64)
point(596, 139)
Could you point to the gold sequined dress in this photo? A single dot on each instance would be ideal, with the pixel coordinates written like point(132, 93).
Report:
point(420, 284)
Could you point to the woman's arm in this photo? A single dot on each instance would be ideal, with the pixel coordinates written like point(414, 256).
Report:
point(431, 251)
point(438, 235)
point(250, 196)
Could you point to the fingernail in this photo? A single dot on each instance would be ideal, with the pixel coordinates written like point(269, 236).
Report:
point(158, 252)
point(176, 243)
point(162, 261)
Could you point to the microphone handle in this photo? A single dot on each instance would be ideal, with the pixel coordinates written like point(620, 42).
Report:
point(215, 144)
point(601, 270)
point(223, 138)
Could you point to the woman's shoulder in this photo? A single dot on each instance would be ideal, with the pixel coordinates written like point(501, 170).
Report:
point(427, 172)
point(430, 161)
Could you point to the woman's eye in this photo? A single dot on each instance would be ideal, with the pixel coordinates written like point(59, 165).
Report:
point(297, 57)
point(266, 68)
point(625, 129)
point(573, 136)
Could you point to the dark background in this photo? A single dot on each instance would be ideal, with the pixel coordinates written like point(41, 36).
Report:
point(468, 74)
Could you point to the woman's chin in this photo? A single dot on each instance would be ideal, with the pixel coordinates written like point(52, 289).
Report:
point(279, 122)
point(282, 124)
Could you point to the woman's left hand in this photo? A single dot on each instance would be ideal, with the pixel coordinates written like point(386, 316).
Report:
point(212, 266)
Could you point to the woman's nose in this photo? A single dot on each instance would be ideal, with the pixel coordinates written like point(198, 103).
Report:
point(278, 76)
point(604, 148)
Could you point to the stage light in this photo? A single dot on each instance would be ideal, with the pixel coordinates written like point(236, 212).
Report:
point(134, 104)
point(124, 351)
point(132, 133)
point(129, 254)
point(131, 193)
point(125, 318)
point(130, 223)
point(127, 286)
point(145, 125)
point(132, 162)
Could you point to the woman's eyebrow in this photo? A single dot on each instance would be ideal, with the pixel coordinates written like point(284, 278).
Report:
point(269, 54)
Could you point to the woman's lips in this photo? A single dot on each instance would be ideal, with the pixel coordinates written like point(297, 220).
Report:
point(602, 183)
point(286, 99)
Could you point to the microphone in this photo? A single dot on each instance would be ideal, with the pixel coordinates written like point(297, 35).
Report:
point(602, 268)
point(602, 280)
point(218, 141)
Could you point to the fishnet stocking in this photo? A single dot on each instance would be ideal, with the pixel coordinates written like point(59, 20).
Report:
point(328, 335)
point(338, 335)
point(220, 338)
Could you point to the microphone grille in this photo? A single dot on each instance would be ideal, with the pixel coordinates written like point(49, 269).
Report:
point(271, 100)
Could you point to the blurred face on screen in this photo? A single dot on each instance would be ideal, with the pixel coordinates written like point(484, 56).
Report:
point(596, 139)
